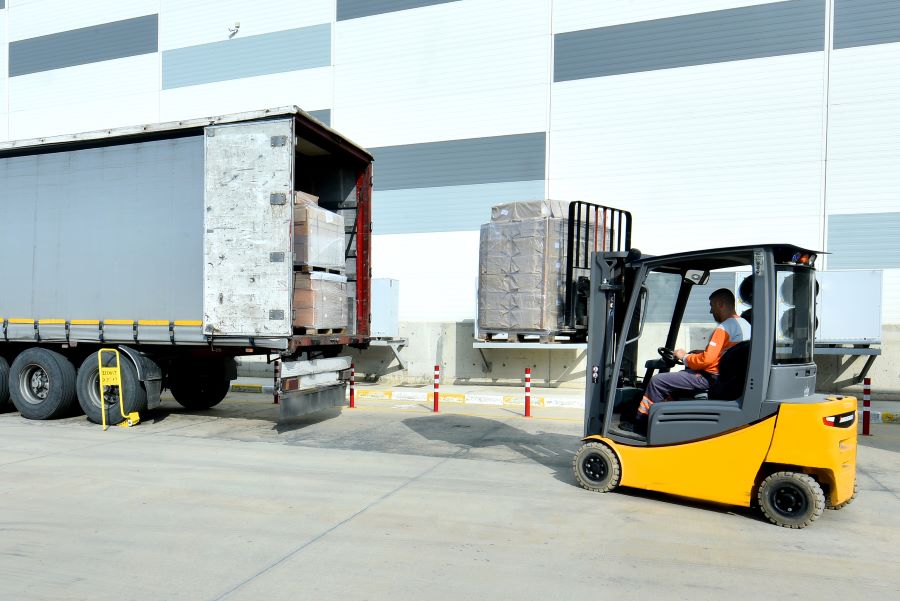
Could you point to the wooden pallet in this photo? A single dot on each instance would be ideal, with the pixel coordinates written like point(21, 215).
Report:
point(319, 331)
point(497, 336)
point(313, 269)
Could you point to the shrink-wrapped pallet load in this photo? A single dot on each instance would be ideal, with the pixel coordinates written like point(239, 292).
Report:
point(522, 269)
point(320, 301)
point(318, 236)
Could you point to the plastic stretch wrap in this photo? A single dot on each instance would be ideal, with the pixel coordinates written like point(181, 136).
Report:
point(522, 263)
point(530, 209)
point(320, 300)
point(318, 237)
point(521, 276)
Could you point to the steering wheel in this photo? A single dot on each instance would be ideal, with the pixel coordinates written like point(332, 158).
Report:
point(668, 357)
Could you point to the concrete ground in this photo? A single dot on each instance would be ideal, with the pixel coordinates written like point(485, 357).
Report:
point(389, 501)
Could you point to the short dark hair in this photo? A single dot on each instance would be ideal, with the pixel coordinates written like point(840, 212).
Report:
point(723, 295)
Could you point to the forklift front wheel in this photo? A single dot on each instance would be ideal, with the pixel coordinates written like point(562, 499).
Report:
point(791, 499)
point(597, 467)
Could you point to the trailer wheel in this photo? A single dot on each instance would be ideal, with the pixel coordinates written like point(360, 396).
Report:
point(4, 384)
point(201, 388)
point(88, 387)
point(597, 467)
point(42, 384)
point(791, 499)
point(848, 501)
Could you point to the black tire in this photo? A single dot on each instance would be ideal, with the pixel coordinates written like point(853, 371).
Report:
point(134, 396)
point(4, 384)
point(847, 502)
point(199, 387)
point(791, 499)
point(597, 467)
point(42, 384)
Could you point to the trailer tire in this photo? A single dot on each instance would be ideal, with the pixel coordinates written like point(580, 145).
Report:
point(4, 384)
point(134, 397)
point(201, 388)
point(791, 499)
point(42, 384)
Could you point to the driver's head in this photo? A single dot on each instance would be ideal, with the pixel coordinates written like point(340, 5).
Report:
point(721, 304)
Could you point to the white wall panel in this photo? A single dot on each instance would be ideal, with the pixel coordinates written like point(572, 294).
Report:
point(864, 130)
point(200, 22)
point(711, 155)
point(575, 15)
point(33, 18)
point(84, 98)
point(438, 273)
point(310, 89)
point(890, 294)
point(449, 71)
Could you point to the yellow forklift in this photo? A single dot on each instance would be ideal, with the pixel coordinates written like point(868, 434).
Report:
point(760, 435)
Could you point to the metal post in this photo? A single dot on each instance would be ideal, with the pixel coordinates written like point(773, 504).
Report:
point(352, 385)
point(276, 389)
point(437, 383)
point(867, 391)
point(527, 392)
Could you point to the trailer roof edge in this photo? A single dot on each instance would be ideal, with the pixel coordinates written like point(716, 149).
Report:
point(184, 124)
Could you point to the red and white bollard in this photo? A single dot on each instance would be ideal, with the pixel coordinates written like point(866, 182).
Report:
point(437, 383)
point(352, 386)
point(527, 392)
point(867, 392)
point(276, 388)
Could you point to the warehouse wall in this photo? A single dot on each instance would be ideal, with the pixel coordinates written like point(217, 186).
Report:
point(714, 121)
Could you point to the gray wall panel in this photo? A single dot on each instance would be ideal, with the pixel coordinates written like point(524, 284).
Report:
point(866, 22)
point(277, 52)
point(512, 158)
point(2, 3)
point(712, 37)
point(323, 115)
point(104, 233)
point(864, 241)
point(108, 41)
point(353, 9)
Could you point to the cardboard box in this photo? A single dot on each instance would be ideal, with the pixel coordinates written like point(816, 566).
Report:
point(320, 301)
point(318, 237)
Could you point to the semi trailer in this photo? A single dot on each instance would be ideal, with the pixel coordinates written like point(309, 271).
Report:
point(174, 243)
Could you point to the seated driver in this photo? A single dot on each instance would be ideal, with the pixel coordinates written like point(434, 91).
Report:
point(702, 369)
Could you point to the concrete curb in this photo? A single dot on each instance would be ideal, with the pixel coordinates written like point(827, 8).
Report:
point(470, 398)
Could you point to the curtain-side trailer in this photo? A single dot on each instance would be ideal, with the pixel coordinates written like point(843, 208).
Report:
point(174, 243)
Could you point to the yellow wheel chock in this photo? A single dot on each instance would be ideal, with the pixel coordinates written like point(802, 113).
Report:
point(111, 388)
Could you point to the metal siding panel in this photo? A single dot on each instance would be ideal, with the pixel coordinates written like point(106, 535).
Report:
point(864, 241)
point(242, 284)
point(353, 9)
point(866, 22)
point(736, 34)
point(518, 157)
point(108, 41)
point(461, 208)
point(104, 233)
point(323, 115)
point(278, 52)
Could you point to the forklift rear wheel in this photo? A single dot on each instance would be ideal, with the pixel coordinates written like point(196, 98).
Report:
point(848, 501)
point(791, 499)
point(597, 467)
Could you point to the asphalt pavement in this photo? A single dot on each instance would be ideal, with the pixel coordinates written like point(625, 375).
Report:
point(391, 501)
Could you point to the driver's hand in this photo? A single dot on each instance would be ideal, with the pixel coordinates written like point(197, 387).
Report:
point(680, 353)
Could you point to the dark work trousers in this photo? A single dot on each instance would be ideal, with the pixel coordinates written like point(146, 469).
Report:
point(663, 387)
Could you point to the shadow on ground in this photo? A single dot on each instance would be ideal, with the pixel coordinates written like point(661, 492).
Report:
point(499, 440)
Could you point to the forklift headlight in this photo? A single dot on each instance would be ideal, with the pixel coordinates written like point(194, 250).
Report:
point(844, 420)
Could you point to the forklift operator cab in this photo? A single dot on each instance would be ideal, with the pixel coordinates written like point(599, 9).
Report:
point(760, 434)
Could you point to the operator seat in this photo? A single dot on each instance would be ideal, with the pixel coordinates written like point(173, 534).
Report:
point(729, 386)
